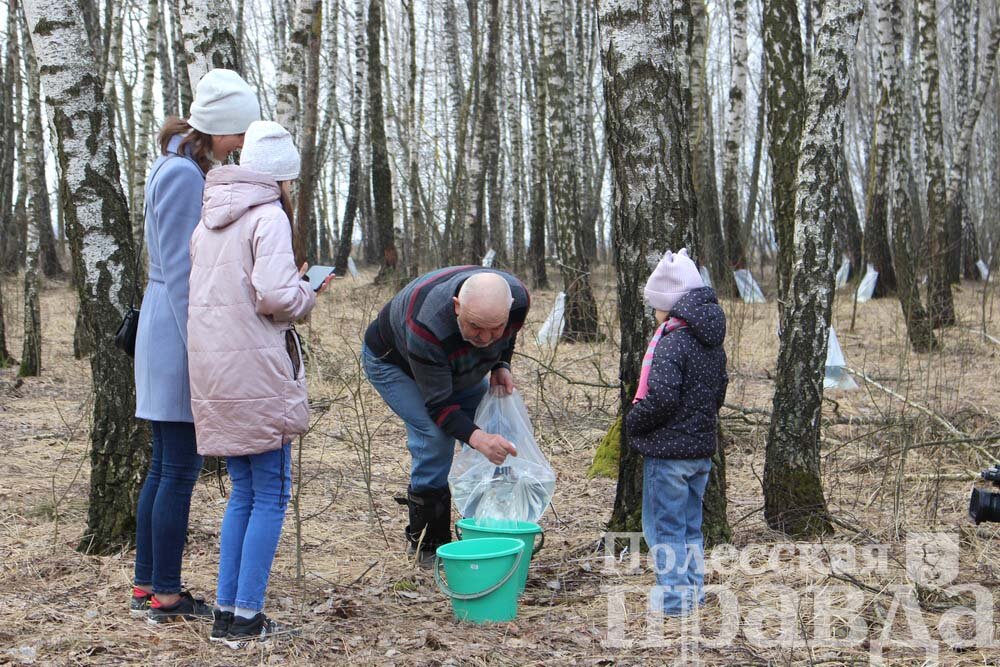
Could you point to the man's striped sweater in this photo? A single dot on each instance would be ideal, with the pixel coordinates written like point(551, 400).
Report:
point(418, 331)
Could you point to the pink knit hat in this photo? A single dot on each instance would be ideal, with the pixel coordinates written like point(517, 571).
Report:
point(673, 277)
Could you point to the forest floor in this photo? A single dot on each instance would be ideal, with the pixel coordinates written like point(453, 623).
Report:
point(894, 471)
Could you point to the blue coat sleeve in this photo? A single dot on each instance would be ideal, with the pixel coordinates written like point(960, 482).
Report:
point(177, 210)
point(666, 377)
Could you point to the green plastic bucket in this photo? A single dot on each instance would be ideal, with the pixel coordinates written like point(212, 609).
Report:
point(481, 578)
point(525, 531)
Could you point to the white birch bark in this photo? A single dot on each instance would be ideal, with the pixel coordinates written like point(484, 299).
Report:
point(287, 110)
point(793, 492)
point(735, 112)
point(97, 222)
point(581, 309)
point(939, 301)
point(145, 140)
point(890, 28)
point(31, 349)
point(972, 112)
point(208, 27)
point(654, 204)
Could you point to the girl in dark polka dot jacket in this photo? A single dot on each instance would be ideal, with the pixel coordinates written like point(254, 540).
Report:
point(673, 424)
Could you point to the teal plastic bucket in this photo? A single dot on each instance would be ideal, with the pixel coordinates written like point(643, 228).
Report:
point(481, 578)
point(525, 531)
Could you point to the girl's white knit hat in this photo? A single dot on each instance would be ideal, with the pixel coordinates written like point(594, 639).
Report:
point(223, 104)
point(268, 148)
point(673, 277)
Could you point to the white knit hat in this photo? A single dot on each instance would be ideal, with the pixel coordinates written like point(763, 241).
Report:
point(673, 277)
point(268, 149)
point(223, 104)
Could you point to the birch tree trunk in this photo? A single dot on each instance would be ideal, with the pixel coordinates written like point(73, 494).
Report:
point(957, 172)
point(793, 490)
point(939, 297)
point(732, 220)
point(287, 110)
point(168, 82)
point(381, 178)
point(209, 38)
point(581, 308)
point(877, 252)
point(306, 42)
point(654, 206)
point(758, 157)
point(847, 223)
point(715, 255)
point(962, 63)
point(31, 349)
point(539, 169)
point(145, 139)
point(413, 154)
point(9, 235)
point(182, 75)
point(918, 325)
point(97, 222)
point(487, 151)
point(5, 359)
point(41, 216)
point(514, 115)
point(354, 171)
point(786, 107)
point(460, 96)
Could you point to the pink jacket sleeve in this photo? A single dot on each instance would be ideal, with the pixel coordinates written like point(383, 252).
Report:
point(280, 292)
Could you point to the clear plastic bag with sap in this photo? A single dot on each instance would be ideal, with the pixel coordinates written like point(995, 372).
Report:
point(519, 489)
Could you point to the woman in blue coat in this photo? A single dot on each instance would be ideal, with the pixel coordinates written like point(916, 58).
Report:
point(223, 108)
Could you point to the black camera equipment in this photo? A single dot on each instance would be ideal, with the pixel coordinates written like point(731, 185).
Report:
point(984, 505)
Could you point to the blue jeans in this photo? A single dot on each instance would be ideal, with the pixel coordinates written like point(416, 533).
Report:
point(251, 527)
point(161, 521)
point(431, 449)
point(672, 493)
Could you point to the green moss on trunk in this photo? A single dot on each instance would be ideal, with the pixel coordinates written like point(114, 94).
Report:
point(608, 454)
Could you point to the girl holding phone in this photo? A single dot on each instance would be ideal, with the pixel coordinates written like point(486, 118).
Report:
point(248, 385)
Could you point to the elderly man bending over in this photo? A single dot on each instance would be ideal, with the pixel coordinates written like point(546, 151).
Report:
point(427, 354)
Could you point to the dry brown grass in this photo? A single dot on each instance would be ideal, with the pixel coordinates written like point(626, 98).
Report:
point(357, 597)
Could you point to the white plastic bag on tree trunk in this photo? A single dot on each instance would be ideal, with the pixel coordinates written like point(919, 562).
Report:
point(552, 328)
point(748, 287)
point(984, 271)
point(521, 488)
point(842, 273)
point(867, 286)
point(352, 268)
point(489, 257)
point(836, 377)
point(706, 277)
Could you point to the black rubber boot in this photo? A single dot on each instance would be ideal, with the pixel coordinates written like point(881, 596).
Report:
point(430, 521)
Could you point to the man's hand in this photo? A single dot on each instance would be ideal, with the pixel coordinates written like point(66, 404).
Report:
point(502, 377)
point(493, 447)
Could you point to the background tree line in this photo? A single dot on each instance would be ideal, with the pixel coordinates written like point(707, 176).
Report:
point(777, 136)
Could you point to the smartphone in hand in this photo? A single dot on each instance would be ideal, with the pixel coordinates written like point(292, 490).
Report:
point(317, 275)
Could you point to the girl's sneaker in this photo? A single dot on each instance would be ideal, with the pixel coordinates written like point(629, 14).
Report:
point(141, 600)
point(188, 608)
point(221, 623)
point(259, 628)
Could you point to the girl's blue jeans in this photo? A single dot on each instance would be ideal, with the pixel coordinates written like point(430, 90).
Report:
point(251, 527)
point(161, 521)
point(672, 494)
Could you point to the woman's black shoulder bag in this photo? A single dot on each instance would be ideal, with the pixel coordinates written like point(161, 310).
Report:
point(129, 328)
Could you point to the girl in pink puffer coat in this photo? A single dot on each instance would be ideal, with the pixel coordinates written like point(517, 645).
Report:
point(248, 387)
